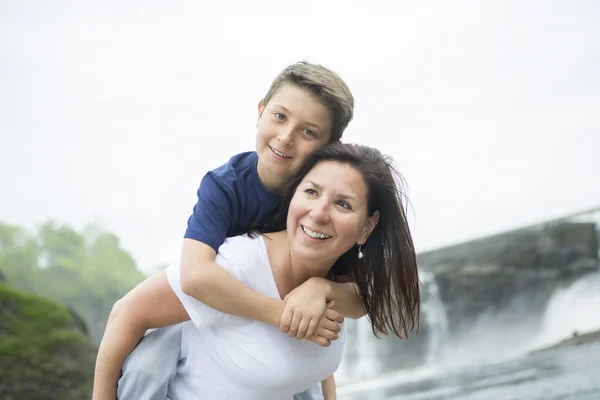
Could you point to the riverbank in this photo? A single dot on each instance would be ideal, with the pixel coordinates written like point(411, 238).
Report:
point(576, 339)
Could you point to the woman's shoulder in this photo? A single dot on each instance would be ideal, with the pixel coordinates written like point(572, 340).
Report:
point(243, 250)
point(245, 241)
point(247, 259)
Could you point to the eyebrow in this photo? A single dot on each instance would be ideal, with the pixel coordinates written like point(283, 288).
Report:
point(341, 195)
point(289, 112)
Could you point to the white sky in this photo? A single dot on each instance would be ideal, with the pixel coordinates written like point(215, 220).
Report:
point(113, 111)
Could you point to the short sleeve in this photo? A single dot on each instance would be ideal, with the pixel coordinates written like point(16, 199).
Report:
point(215, 211)
point(202, 316)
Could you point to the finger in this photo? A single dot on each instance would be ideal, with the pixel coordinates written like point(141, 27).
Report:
point(334, 315)
point(320, 341)
point(302, 328)
point(327, 334)
point(312, 326)
point(330, 326)
point(330, 304)
point(296, 318)
point(286, 320)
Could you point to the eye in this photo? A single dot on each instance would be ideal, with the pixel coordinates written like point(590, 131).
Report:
point(309, 132)
point(279, 116)
point(311, 192)
point(344, 204)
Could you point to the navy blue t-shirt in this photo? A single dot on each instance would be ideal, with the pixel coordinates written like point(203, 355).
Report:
point(230, 199)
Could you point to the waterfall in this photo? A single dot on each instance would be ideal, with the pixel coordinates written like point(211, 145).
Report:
point(360, 356)
point(364, 353)
point(512, 321)
point(434, 316)
point(574, 309)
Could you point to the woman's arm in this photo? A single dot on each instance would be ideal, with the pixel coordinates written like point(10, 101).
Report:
point(347, 298)
point(328, 386)
point(151, 304)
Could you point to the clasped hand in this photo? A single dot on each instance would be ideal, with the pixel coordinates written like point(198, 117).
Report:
point(308, 313)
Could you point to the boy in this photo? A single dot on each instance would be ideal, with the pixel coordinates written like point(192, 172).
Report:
point(306, 107)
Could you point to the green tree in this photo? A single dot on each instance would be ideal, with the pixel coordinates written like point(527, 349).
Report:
point(87, 271)
point(19, 255)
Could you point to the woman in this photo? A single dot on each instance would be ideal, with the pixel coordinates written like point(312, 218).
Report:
point(342, 215)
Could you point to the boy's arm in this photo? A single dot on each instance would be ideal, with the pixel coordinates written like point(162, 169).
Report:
point(203, 279)
point(151, 304)
point(328, 387)
point(206, 281)
point(215, 213)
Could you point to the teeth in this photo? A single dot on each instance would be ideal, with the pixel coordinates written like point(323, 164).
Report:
point(280, 154)
point(315, 235)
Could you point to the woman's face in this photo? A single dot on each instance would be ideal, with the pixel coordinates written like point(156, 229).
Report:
point(328, 214)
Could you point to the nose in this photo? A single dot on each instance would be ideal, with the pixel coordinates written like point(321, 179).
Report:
point(320, 211)
point(286, 137)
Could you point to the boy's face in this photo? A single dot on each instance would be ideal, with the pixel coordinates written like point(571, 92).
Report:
point(290, 127)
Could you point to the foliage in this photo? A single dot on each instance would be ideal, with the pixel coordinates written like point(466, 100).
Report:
point(87, 271)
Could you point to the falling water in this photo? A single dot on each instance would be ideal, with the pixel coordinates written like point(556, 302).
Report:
point(360, 356)
point(361, 361)
point(434, 316)
point(572, 310)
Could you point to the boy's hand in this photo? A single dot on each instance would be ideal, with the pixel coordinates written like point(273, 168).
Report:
point(328, 327)
point(304, 307)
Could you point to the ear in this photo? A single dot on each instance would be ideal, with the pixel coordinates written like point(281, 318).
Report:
point(372, 222)
point(261, 108)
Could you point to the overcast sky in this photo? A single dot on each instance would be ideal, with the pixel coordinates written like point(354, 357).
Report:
point(113, 111)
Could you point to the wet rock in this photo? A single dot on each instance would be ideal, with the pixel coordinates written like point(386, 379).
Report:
point(576, 339)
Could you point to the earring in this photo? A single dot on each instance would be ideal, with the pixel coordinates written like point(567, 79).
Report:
point(360, 253)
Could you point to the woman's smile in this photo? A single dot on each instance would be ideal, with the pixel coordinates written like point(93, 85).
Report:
point(314, 234)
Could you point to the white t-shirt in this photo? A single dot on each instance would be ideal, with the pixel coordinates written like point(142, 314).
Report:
point(233, 358)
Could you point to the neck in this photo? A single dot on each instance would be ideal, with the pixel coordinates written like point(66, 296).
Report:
point(303, 270)
point(290, 270)
point(272, 183)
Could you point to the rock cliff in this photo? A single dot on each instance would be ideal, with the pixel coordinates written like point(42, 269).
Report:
point(44, 354)
point(476, 288)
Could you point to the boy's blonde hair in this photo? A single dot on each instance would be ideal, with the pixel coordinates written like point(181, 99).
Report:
point(325, 85)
